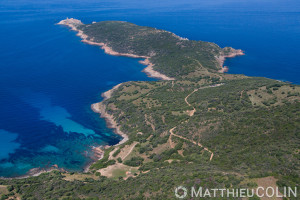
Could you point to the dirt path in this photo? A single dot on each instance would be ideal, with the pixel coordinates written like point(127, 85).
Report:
point(130, 150)
point(241, 96)
point(111, 154)
point(192, 141)
point(205, 69)
point(191, 113)
point(172, 145)
point(126, 151)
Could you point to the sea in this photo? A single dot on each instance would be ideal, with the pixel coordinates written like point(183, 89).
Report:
point(49, 78)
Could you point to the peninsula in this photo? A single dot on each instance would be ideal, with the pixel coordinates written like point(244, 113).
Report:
point(166, 55)
point(197, 126)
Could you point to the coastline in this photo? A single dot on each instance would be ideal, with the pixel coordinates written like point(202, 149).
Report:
point(110, 121)
point(221, 59)
point(73, 23)
point(151, 72)
point(36, 172)
point(96, 107)
point(98, 154)
point(100, 108)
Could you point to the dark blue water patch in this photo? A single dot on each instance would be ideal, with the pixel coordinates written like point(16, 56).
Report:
point(49, 79)
point(42, 143)
point(8, 143)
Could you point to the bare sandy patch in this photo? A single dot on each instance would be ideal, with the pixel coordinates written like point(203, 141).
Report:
point(117, 170)
point(3, 189)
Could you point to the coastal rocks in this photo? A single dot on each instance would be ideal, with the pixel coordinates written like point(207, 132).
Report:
point(224, 69)
point(71, 22)
point(228, 52)
point(75, 23)
point(37, 171)
point(152, 73)
point(97, 153)
point(111, 123)
point(107, 94)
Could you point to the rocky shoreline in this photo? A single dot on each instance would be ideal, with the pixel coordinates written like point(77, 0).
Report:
point(37, 171)
point(101, 107)
point(152, 73)
point(74, 23)
point(110, 121)
point(221, 59)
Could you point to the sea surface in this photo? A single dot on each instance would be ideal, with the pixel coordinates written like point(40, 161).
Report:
point(49, 79)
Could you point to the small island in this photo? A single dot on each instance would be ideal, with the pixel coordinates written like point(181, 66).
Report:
point(196, 126)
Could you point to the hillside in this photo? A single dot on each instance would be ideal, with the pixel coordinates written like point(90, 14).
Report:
point(171, 55)
point(203, 128)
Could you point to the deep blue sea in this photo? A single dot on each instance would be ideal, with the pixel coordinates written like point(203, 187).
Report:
point(49, 79)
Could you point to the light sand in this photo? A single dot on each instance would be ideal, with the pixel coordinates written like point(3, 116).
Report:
point(109, 171)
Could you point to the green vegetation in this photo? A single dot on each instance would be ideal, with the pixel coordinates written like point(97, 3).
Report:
point(202, 129)
point(104, 162)
point(116, 153)
point(134, 161)
point(172, 55)
point(156, 184)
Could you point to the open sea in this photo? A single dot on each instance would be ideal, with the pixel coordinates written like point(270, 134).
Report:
point(49, 79)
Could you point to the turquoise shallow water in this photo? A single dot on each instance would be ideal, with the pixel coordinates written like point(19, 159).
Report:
point(48, 78)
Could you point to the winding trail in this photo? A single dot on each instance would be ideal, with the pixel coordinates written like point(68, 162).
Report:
point(192, 141)
point(191, 113)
